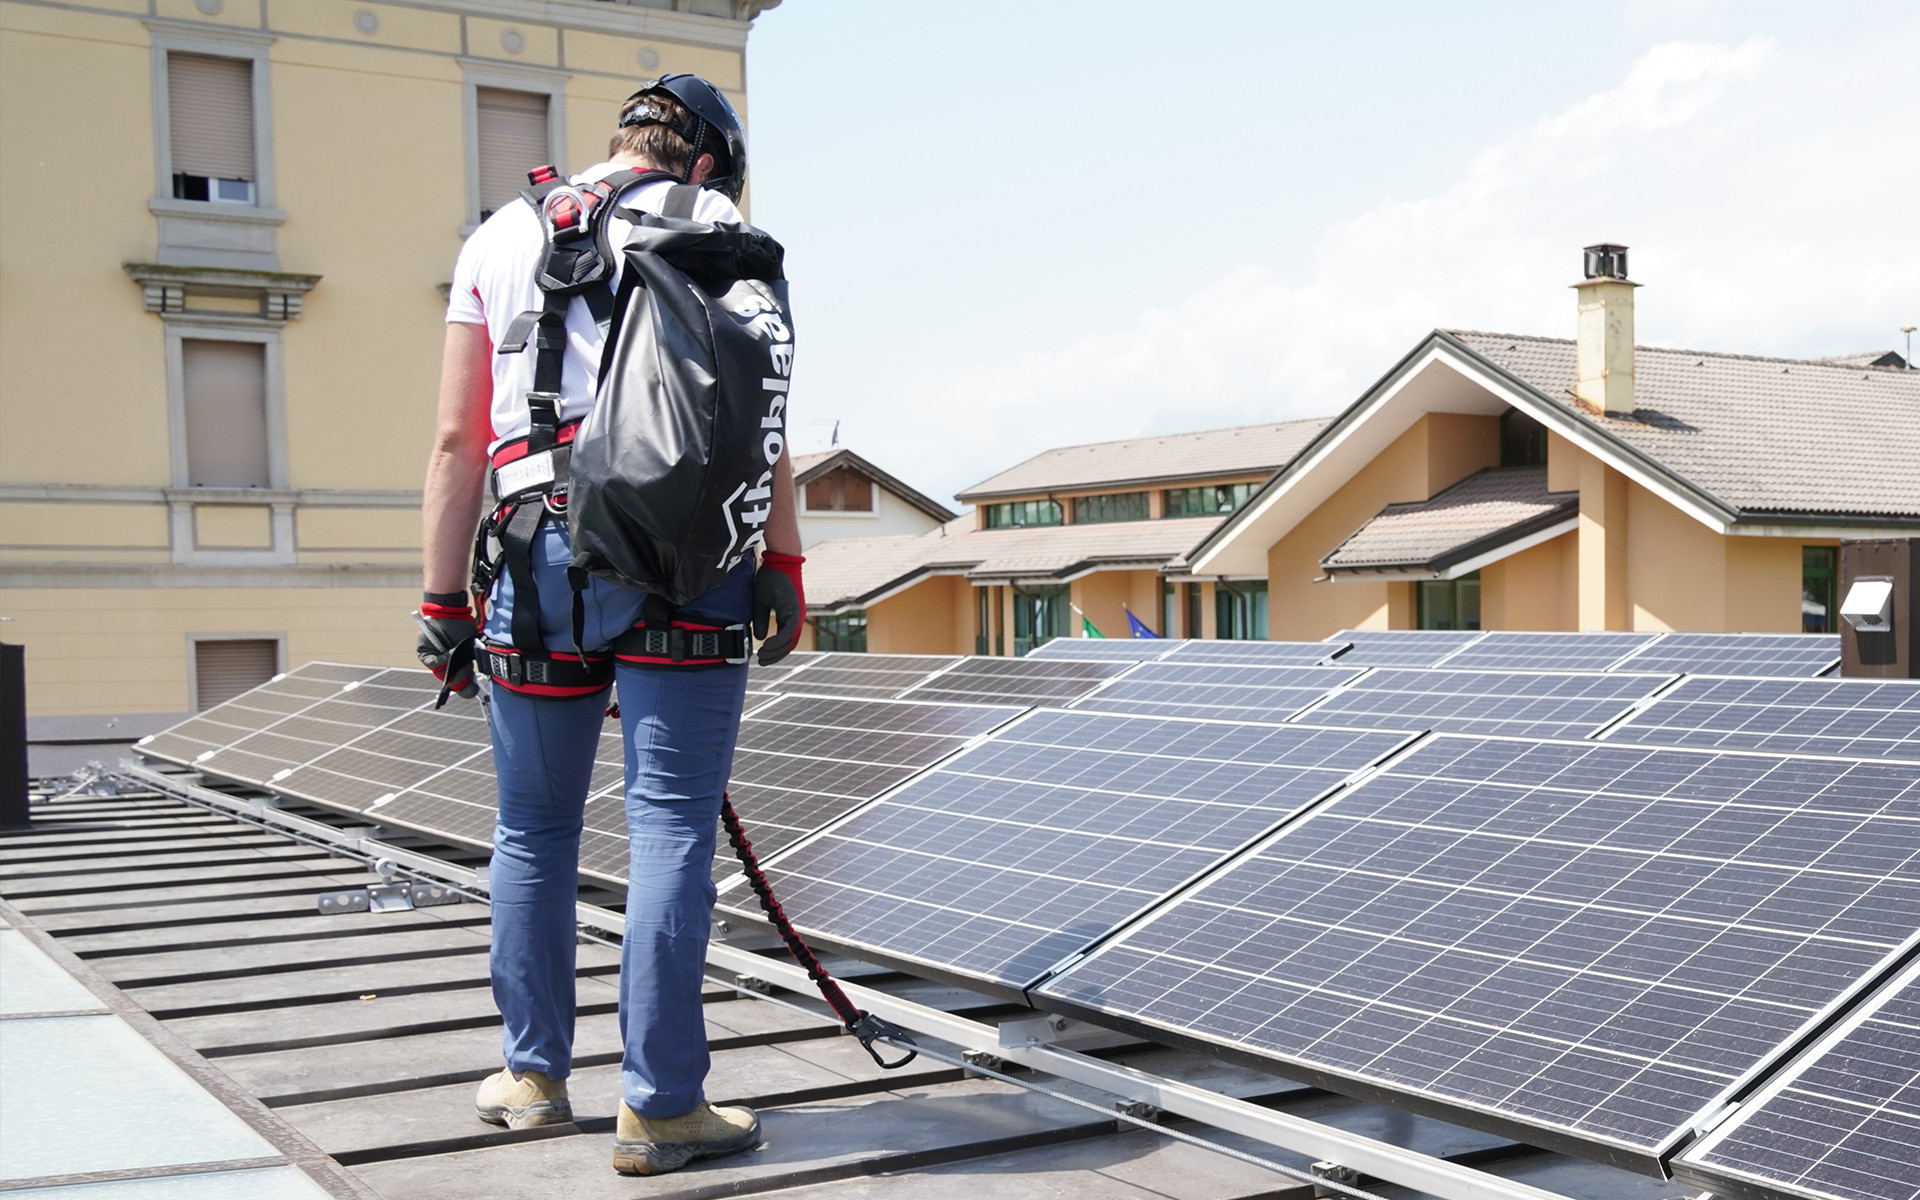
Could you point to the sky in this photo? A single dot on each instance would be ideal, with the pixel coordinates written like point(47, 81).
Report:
point(1018, 225)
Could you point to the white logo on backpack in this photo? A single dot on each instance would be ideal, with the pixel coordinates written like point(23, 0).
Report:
point(748, 508)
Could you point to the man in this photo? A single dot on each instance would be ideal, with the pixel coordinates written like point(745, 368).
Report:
point(679, 721)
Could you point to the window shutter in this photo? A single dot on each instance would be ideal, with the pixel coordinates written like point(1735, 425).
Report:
point(223, 670)
point(210, 105)
point(513, 141)
point(226, 401)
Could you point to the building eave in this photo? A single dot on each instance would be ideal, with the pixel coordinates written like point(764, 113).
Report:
point(847, 458)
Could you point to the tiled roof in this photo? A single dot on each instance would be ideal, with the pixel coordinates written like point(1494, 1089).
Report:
point(852, 571)
point(1480, 513)
point(1760, 434)
point(1241, 450)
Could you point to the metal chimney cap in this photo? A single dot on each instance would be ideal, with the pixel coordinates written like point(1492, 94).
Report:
point(1605, 260)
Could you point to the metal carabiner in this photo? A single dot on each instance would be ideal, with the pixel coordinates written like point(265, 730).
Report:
point(870, 1029)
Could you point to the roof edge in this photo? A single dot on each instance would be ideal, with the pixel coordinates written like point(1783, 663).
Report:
point(913, 496)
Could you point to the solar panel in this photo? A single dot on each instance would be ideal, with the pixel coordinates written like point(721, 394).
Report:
point(1016, 681)
point(1006, 858)
point(1399, 647)
point(1592, 945)
point(1108, 649)
point(1520, 704)
point(252, 711)
point(761, 679)
point(1750, 654)
point(1270, 654)
point(1220, 691)
point(872, 676)
point(1856, 717)
point(1503, 650)
point(804, 762)
point(1843, 1123)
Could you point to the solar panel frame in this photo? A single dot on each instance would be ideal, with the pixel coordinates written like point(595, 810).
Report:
point(1864, 1077)
point(1763, 655)
point(1534, 704)
point(1027, 681)
point(1400, 647)
point(863, 676)
point(1870, 908)
point(1258, 653)
point(1518, 650)
point(257, 709)
point(1216, 691)
point(938, 795)
point(1108, 649)
point(1827, 718)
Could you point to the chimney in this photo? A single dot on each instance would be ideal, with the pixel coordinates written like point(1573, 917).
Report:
point(1603, 350)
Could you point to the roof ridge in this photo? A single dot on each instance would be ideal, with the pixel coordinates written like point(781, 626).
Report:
point(1825, 361)
point(1147, 437)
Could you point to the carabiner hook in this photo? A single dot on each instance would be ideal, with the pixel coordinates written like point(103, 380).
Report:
point(871, 1028)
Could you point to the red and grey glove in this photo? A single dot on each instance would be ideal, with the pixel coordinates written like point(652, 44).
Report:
point(777, 592)
point(445, 645)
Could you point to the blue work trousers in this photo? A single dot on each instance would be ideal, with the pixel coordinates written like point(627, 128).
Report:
point(679, 726)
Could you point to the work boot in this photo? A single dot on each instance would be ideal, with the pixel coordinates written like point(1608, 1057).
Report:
point(656, 1145)
point(523, 1103)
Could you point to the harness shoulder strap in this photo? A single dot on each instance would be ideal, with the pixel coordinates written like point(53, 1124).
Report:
point(681, 198)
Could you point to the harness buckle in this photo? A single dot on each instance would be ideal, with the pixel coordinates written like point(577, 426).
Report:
point(746, 643)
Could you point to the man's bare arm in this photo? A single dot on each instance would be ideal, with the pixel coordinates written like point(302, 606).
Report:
point(783, 523)
point(457, 469)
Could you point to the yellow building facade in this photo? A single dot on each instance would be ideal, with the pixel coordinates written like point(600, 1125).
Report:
point(226, 231)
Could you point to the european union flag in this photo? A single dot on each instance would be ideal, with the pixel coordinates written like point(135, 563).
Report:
point(1139, 627)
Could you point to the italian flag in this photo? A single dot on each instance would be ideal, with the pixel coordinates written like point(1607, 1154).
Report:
point(1088, 628)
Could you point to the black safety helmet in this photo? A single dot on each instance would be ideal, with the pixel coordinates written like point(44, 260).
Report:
point(713, 118)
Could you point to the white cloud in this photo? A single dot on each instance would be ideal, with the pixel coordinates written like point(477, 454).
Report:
point(1766, 192)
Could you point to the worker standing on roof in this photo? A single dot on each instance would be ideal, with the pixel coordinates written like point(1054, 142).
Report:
point(523, 351)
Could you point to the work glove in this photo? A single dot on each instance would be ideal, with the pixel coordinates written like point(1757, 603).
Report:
point(445, 645)
point(777, 592)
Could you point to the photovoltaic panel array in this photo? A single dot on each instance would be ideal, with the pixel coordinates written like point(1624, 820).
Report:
point(1220, 691)
point(868, 676)
point(803, 762)
point(1016, 681)
point(1503, 650)
point(1854, 717)
point(1021, 850)
point(1752, 654)
point(1519, 704)
point(1843, 1123)
point(1108, 649)
point(760, 679)
point(1399, 647)
point(277, 726)
point(1594, 945)
point(1268, 654)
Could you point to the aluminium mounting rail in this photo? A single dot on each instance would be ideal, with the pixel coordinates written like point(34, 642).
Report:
point(1023, 1041)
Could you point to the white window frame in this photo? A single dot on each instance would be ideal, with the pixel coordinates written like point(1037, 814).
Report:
point(279, 641)
point(476, 75)
point(220, 43)
point(183, 497)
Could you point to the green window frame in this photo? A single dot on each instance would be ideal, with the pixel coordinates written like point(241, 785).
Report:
point(1020, 514)
point(1116, 506)
point(843, 631)
point(1240, 610)
point(1448, 603)
point(1039, 616)
point(1819, 587)
point(1207, 501)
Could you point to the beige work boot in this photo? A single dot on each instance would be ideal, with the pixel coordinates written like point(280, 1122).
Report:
point(656, 1145)
point(523, 1103)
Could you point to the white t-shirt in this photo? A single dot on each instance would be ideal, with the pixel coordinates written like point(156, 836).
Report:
point(493, 284)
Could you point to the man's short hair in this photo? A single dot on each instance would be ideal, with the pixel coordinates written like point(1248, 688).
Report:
point(658, 143)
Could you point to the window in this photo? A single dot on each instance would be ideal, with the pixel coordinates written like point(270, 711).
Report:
point(1121, 506)
point(210, 128)
point(1206, 501)
point(1523, 440)
point(1448, 603)
point(846, 631)
point(1819, 576)
point(1023, 513)
point(222, 669)
point(985, 618)
point(225, 385)
point(1169, 610)
point(1240, 610)
point(512, 128)
point(842, 489)
point(1038, 617)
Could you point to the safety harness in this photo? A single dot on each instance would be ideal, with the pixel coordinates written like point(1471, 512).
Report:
point(532, 473)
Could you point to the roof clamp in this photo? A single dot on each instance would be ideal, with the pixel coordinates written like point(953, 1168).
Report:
point(753, 983)
point(1033, 1031)
point(1334, 1173)
point(1139, 1110)
point(391, 894)
point(985, 1060)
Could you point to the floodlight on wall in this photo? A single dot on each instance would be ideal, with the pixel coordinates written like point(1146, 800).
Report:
point(1869, 605)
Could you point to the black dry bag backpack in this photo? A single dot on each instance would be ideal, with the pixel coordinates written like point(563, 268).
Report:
point(673, 468)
